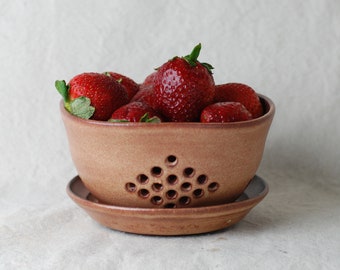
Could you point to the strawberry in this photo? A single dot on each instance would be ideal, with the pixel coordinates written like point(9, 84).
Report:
point(130, 85)
point(225, 112)
point(92, 95)
point(150, 79)
point(146, 95)
point(183, 87)
point(241, 93)
point(146, 92)
point(135, 112)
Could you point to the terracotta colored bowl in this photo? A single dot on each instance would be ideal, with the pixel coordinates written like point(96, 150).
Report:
point(167, 164)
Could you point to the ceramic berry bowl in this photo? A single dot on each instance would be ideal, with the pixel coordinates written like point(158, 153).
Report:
point(167, 165)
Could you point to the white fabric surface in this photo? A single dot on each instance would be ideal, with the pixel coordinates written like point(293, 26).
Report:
point(287, 50)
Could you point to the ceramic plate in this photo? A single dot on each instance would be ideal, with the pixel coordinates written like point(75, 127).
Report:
point(163, 221)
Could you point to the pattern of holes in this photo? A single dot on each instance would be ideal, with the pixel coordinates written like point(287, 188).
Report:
point(179, 189)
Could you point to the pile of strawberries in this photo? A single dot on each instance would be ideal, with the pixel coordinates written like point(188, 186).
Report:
point(181, 90)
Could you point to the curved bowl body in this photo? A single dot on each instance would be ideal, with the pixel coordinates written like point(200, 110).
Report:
point(167, 164)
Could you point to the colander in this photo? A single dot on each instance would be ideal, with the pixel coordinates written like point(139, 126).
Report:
point(167, 165)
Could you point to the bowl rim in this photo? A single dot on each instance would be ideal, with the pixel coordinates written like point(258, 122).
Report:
point(266, 101)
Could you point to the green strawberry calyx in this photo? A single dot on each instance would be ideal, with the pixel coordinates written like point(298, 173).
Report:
point(118, 120)
point(63, 89)
point(192, 58)
point(80, 106)
point(107, 73)
point(144, 119)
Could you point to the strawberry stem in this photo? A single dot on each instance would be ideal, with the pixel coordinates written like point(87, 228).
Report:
point(193, 56)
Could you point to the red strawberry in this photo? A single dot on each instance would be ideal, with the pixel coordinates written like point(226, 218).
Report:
point(135, 112)
point(225, 112)
point(130, 85)
point(241, 93)
point(146, 94)
point(92, 95)
point(183, 87)
point(150, 79)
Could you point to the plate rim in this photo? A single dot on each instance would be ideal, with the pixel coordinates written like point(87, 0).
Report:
point(169, 211)
point(165, 221)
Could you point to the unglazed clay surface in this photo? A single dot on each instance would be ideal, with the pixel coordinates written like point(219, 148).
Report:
point(160, 221)
point(167, 164)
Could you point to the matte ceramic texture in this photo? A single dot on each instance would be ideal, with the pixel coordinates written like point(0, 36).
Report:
point(167, 165)
point(162, 221)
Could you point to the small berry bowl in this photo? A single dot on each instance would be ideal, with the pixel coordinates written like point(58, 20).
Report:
point(167, 165)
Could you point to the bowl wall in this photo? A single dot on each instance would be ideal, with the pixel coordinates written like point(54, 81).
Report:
point(167, 164)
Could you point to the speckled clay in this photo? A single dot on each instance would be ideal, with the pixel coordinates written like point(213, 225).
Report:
point(161, 221)
point(167, 165)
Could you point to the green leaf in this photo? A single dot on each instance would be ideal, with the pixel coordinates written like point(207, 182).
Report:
point(82, 108)
point(154, 119)
point(118, 120)
point(208, 67)
point(67, 106)
point(109, 75)
point(62, 88)
point(145, 119)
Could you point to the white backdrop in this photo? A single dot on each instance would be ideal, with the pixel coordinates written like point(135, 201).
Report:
point(287, 50)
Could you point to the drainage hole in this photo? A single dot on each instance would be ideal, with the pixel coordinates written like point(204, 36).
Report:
point(143, 193)
point(171, 160)
point(131, 187)
point(171, 194)
point(213, 186)
point(170, 205)
point(157, 200)
point(157, 187)
point(198, 193)
point(156, 171)
point(185, 200)
point(172, 179)
point(186, 186)
point(189, 172)
point(142, 178)
point(202, 179)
